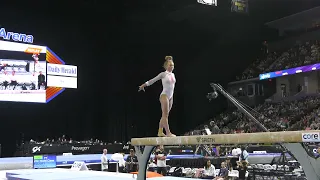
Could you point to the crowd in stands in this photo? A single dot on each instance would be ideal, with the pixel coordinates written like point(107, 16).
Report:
point(64, 140)
point(297, 114)
point(289, 113)
point(302, 53)
point(310, 120)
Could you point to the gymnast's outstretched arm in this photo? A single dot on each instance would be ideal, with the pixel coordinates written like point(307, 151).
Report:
point(151, 81)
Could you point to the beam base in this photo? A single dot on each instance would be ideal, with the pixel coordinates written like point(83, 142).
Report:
point(310, 165)
point(143, 159)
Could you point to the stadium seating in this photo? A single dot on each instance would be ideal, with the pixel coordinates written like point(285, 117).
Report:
point(276, 116)
point(291, 113)
point(299, 54)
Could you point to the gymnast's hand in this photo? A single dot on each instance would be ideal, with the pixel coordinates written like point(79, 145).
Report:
point(141, 88)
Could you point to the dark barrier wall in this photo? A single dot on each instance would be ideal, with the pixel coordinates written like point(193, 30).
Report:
point(78, 148)
point(200, 162)
point(268, 149)
point(59, 149)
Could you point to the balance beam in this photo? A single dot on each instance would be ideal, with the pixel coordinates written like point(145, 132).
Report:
point(242, 138)
point(290, 139)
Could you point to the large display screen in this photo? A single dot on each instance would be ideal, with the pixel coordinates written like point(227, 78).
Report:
point(240, 6)
point(208, 2)
point(291, 71)
point(44, 161)
point(22, 72)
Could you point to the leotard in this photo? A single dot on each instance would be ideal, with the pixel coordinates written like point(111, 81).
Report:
point(168, 82)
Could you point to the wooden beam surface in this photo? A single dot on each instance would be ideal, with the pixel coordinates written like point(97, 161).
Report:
point(242, 138)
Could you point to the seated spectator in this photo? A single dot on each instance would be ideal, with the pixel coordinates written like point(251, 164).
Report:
point(209, 171)
point(228, 164)
point(242, 168)
point(223, 173)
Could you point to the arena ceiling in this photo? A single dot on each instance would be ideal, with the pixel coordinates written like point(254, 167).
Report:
point(299, 20)
point(152, 20)
point(153, 12)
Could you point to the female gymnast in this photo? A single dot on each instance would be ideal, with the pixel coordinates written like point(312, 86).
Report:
point(166, 97)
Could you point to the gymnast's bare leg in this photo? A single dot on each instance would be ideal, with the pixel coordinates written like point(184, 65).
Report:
point(164, 122)
point(170, 106)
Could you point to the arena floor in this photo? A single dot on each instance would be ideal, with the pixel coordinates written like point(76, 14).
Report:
point(68, 174)
point(20, 168)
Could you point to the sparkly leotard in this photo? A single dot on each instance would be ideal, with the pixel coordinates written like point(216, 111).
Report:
point(168, 82)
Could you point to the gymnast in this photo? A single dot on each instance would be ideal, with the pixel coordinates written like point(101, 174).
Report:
point(166, 97)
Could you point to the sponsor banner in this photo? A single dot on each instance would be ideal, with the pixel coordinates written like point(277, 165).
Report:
point(310, 137)
point(315, 150)
point(21, 96)
point(183, 150)
point(34, 149)
point(22, 92)
point(115, 148)
point(62, 70)
point(62, 81)
point(20, 47)
point(259, 152)
point(296, 70)
point(263, 148)
point(80, 148)
point(126, 147)
point(205, 140)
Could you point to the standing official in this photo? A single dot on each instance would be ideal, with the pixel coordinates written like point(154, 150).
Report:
point(161, 156)
point(104, 161)
point(41, 80)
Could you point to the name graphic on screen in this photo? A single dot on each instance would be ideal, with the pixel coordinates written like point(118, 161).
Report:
point(22, 72)
point(15, 36)
point(44, 161)
point(62, 81)
point(62, 70)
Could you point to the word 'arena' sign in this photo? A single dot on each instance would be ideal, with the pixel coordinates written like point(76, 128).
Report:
point(19, 37)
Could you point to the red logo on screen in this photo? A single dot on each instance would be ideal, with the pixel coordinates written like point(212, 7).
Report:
point(31, 50)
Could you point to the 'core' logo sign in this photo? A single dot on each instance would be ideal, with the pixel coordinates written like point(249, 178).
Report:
point(310, 137)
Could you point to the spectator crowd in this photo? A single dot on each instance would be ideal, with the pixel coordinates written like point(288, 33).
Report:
point(292, 114)
point(289, 113)
point(64, 140)
point(301, 54)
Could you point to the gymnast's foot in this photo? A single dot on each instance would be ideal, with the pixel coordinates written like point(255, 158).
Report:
point(171, 135)
point(161, 134)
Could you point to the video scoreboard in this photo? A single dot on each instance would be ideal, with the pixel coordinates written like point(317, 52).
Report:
point(31, 73)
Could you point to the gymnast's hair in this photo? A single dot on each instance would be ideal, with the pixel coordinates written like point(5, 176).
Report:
point(167, 60)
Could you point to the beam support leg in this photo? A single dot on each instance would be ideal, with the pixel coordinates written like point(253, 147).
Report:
point(310, 165)
point(143, 158)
